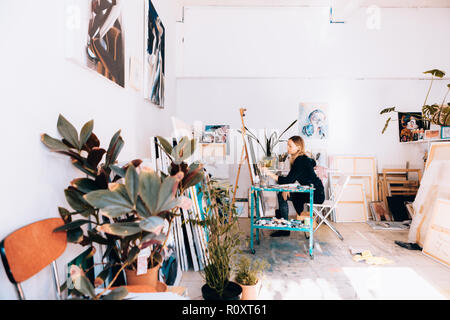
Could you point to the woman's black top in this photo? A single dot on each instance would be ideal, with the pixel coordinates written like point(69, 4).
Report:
point(302, 171)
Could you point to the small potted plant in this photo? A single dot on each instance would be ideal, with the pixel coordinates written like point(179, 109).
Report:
point(248, 274)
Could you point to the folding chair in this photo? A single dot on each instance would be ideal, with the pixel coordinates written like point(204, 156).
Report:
point(322, 211)
point(27, 251)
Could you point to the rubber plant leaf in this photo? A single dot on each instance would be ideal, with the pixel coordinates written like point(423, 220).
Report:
point(166, 194)
point(165, 144)
point(76, 200)
point(86, 132)
point(72, 225)
point(116, 294)
point(132, 255)
point(122, 229)
point(141, 208)
point(152, 224)
point(149, 185)
point(53, 144)
point(85, 185)
point(68, 131)
point(80, 282)
point(112, 203)
point(132, 183)
point(77, 164)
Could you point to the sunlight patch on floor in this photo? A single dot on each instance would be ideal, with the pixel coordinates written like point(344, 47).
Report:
point(390, 283)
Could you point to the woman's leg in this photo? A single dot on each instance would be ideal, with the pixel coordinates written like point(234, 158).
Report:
point(283, 207)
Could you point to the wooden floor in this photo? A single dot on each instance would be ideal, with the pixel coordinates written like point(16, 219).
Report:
point(333, 274)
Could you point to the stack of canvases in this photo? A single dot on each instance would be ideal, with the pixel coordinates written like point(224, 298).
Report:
point(430, 227)
point(190, 237)
point(361, 189)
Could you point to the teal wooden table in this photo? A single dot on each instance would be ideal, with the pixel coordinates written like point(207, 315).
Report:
point(257, 222)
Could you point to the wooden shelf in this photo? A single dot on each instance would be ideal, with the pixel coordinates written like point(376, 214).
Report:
point(425, 140)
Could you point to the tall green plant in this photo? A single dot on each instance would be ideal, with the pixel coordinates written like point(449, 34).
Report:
point(223, 238)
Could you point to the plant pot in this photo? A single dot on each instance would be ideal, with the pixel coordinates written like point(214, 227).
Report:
point(250, 292)
point(231, 292)
point(148, 279)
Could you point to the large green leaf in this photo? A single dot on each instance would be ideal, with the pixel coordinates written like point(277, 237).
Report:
point(53, 144)
point(85, 185)
point(166, 194)
point(193, 179)
point(112, 203)
point(82, 284)
point(118, 170)
point(182, 150)
point(141, 208)
point(149, 185)
point(165, 144)
point(116, 294)
point(122, 229)
point(76, 200)
point(71, 225)
point(152, 224)
point(68, 131)
point(132, 183)
point(115, 145)
point(86, 131)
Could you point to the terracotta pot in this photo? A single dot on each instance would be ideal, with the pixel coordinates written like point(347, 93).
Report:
point(148, 279)
point(250, 292)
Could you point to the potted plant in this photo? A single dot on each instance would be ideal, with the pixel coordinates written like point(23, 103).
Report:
point(436, 114)
point(248, 275)
point(270, 159)
point(86, 155)
point(222, 244)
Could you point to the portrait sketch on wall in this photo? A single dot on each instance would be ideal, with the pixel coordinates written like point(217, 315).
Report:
point(313, 120)
point(154, 56)
point(105, 47)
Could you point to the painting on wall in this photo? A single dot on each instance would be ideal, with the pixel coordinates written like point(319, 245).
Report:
point(411, 127)
point(154, 56)
point(313, 120)
point(215, 134)
point(105, 46)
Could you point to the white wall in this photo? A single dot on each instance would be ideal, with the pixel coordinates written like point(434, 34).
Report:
point(37, 83)
point(268, 60)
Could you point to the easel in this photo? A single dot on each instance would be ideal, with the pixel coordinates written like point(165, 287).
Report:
point(243, 158)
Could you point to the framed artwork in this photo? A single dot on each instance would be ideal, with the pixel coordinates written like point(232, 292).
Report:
point(445, 132)
point(215, 134)
point(105, 45)
point(313, 120)
point(154, 61)
point(411, 127)
point(431, 134)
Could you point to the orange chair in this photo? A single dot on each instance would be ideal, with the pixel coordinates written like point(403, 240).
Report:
point(30, 249)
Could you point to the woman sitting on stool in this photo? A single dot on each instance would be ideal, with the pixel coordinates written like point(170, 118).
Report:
point(302, 170)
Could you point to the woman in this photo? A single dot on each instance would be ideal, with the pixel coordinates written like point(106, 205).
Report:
point(302, 171)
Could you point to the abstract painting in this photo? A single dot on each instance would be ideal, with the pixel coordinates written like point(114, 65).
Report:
point(313, 120)
point(215, 134)
point(154, 56)
point(105, 48)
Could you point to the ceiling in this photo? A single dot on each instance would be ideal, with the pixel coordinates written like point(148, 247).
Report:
point(320, 3)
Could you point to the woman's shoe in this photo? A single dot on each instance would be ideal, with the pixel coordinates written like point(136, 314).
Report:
point(280, 233)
